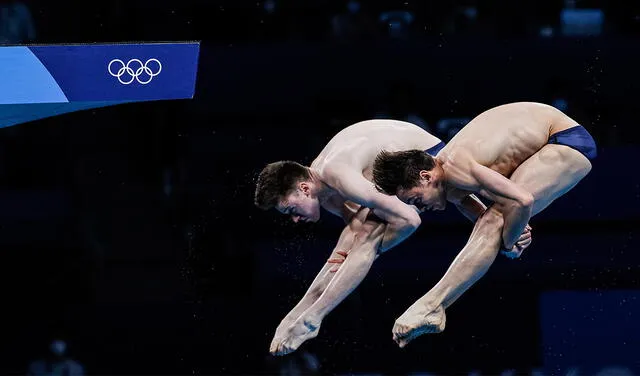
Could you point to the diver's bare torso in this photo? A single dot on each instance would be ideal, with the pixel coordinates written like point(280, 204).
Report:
point(502, 138)
point(356, 147)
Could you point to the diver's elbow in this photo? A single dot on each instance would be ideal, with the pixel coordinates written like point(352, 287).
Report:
point(525, 201)
point(413, 221)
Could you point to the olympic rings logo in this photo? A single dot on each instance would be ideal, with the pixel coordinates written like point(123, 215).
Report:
point(134, 69)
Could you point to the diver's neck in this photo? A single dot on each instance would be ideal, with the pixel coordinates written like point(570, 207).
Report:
point(448, 188)
point(321, 190)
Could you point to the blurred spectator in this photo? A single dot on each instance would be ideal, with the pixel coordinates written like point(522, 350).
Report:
point(270, 6)
point(16, 23)
point(353, 24)
point(398, 23)
point(57, 363)
point(463, 20)
point(582, 22)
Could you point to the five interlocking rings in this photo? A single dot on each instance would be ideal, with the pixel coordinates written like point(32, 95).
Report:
point(133, 69)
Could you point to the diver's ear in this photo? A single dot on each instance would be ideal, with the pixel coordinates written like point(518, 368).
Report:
point(304, 187)
point(426, 176)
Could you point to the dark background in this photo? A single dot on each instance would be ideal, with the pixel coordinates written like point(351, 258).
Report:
point(130, 231)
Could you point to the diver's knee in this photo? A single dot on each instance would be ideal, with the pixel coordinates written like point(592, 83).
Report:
point(581, 167)
point(586, 169)
point(577, 162)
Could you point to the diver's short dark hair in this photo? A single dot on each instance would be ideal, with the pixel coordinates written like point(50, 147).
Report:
point(276, 181)
point(400, 170)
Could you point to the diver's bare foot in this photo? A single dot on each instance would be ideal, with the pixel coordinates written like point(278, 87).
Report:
point(303, 329)
point(416, 321)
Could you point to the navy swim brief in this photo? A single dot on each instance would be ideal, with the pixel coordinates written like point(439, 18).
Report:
point(577, 138)
point(435, 149)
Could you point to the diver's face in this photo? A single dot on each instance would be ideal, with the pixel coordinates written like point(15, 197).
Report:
point(301, 205)
point(429, 194)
